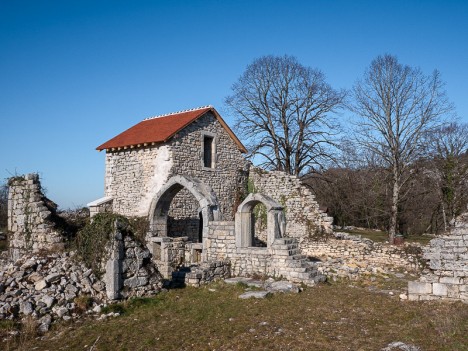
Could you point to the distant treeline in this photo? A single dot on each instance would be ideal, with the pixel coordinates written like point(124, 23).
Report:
point(361, 196)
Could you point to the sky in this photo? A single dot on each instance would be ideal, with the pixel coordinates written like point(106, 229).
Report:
point(74, 74)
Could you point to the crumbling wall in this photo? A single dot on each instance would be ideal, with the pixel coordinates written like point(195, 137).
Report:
point(303, 216)
point(31, 217)
point(348, 256)
point(208, 272)
point(447, 276)
point(128, 268)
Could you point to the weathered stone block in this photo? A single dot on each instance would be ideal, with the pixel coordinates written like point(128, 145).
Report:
point(449, 280)
point(419, 288)
point(439, 289)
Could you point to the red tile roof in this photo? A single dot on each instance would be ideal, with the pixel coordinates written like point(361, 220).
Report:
point(161, 128)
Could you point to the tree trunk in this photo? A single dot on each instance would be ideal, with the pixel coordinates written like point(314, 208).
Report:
point(394, 211)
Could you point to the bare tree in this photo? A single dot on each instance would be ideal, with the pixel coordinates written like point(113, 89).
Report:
point(397, 106)
point(448, 155)
point(283, 112)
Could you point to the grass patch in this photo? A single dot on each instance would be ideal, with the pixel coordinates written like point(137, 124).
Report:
point(335, 316)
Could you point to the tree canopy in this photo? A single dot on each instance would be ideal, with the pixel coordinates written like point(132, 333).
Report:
point(284, 113)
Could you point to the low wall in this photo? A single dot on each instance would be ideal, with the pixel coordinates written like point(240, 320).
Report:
point(359, 255)
point(281, 259)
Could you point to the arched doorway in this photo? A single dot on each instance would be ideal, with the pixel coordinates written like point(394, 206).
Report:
point(275, 220)
point(160, 206)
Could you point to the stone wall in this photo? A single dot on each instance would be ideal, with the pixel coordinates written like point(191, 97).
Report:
point(183, 217)
point(282, 259)
point(228, 177)
point(129, 270)
point(133, 176)
point(447, 274)
point(208, 272)
point(349, 256)
point(303, 217)
point(32, 220)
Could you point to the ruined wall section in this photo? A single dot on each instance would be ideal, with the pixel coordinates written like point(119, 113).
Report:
point(128, 268)
point(447, 276)
point(30, 217)
point(303, 216)
point(134, 176)
point(349, 256)
point(228, 177)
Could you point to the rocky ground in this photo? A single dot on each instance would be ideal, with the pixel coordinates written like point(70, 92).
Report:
point(48, 287)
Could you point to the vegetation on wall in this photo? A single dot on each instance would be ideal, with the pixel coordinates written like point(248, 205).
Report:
point(92, 239)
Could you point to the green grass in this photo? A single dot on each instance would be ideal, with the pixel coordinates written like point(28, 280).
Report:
point(335, 317)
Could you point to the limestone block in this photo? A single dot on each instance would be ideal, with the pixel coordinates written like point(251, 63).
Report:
point(416, 287)
point(439, 289)
point(450, 280)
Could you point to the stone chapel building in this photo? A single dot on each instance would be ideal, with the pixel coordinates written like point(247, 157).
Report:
point(186, 172)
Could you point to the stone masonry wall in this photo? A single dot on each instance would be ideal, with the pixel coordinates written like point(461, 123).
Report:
point(244, 261)
point(133, 176)
point(183, 218)
point(447, 276)
point(129, 270)
point(348, 256)
point(303, 217)
point(228, 178)
point(273, 261)
point(30, 217)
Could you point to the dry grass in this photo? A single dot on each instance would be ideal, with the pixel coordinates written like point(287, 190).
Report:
point(326, 317)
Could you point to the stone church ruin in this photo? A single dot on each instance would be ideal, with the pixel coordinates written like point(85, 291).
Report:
point(186, 173)
point(211, 215)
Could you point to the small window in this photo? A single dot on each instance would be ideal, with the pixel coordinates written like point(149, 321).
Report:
point(208, 151)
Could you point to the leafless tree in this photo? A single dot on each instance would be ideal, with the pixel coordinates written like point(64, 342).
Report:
point(397, 106)
point(448, 146)
point(284, 114)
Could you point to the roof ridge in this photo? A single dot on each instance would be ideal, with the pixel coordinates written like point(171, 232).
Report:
point(179, 112)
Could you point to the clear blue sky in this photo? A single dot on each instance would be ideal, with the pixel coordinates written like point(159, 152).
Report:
point(75, 73)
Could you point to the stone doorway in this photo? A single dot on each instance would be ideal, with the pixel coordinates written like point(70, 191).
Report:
point(245, 223)
point(171, 248)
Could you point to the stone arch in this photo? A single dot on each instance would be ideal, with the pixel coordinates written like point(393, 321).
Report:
point(276, 223)
point(204, 194)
